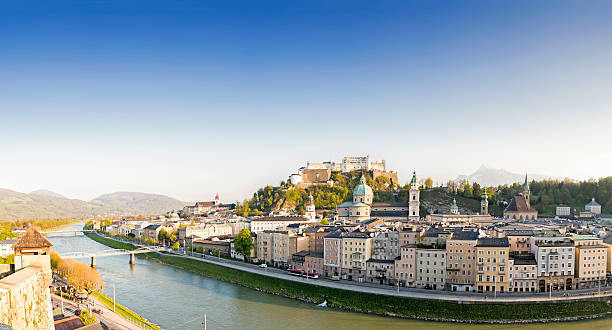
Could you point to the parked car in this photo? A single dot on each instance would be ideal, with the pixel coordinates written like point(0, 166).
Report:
point(263, 266)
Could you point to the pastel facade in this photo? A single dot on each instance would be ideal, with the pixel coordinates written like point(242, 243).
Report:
point(555, 256)
point(356, 251)
point(431, 268)
point(591, 260)
point(523, 274)
point(492, 265)
point(461, 261)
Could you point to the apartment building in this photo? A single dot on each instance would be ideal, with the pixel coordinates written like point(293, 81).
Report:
point(431, 267)
point(461, 261)
point(385, 246)
point(492, 262)
point(356, 250)
point(405, 266)
point(554, 254)
point(519, 240)
point(523, 274)
point(272, 223)
point(381, 271)
point(277, 246)
point(590, 260)
point(332, 253)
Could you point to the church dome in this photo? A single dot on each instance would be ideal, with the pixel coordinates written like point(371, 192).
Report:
point(362, 188)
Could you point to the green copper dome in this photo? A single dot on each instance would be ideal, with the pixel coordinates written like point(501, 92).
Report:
point(413, 177)
point(454, 206)
point(362, 188)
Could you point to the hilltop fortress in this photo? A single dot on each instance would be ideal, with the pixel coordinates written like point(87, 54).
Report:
point(320, 173)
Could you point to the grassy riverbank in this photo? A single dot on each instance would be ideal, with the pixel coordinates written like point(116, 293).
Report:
point(382, 304)
point(125, 312)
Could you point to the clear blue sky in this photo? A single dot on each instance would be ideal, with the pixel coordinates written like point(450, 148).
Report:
point(191, 98)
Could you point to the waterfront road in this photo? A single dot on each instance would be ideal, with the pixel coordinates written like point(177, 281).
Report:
point(107, 318)
point(462, 297)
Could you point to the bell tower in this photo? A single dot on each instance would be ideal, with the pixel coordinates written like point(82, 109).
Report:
point(413, 202)
point(484, 203)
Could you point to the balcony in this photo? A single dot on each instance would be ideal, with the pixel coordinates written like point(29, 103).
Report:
point(502, 272)
point(480, 271)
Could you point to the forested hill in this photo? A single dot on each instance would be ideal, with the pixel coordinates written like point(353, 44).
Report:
point(289, 198)
point(545, 195)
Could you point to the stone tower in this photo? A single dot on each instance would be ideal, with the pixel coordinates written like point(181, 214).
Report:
point(310, 209)
point(526, 191)
point(413, 202)
point(484, 202)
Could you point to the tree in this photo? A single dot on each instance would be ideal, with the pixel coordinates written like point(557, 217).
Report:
point(217, 253)
point(80, 276)
point(429, 183)
point(176, 245)
point(9, 259)
point(324, 222)
point(162, 235)
point(243, 243)
point(200, 249)
point(87, 318)
point(173, 238)
point(7, 234)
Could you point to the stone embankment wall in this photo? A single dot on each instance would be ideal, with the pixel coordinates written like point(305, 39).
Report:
point(25, 301)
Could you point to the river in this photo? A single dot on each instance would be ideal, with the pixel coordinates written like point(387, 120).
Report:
point(178, 299)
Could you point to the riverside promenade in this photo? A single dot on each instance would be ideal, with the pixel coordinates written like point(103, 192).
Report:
point(107, 318)
point(604, 293)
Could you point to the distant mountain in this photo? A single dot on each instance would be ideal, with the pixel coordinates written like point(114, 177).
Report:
point(495, 177)
point(139, 203)
point(47, 193)
point(44, 204)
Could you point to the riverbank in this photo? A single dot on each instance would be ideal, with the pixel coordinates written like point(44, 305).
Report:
point(383, 304)
point(125, 312)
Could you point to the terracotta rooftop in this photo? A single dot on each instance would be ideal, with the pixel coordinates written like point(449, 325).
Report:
point(32, 239)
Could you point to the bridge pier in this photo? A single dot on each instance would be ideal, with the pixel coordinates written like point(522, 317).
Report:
point(132, 261)
point(93, 262)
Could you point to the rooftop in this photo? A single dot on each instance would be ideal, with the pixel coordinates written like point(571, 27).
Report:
point(492, 242)
point(32, 239)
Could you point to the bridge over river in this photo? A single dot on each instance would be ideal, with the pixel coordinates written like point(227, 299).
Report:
point(112, 252)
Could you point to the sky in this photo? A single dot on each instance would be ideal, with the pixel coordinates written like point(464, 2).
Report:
point(193, 98)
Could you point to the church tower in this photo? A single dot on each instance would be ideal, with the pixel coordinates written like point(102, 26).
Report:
point(310, 209)
point(413, 202)
point(526, 191)
point(484, 203)
point(454, 209)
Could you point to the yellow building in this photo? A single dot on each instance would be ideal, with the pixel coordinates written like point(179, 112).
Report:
point(492, 264)
point(590, 262)
point(355, 253)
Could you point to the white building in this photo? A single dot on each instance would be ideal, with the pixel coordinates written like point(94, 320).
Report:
point(349, 164)
point(6, 247)
point(593, 207)
point(272, 223)
point(563, 210)
point(205, 231)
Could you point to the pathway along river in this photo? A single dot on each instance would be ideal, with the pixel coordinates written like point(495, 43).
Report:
point(178, 299)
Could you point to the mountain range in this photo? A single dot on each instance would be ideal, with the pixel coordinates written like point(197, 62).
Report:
point(496, 176)
point(45, 204)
